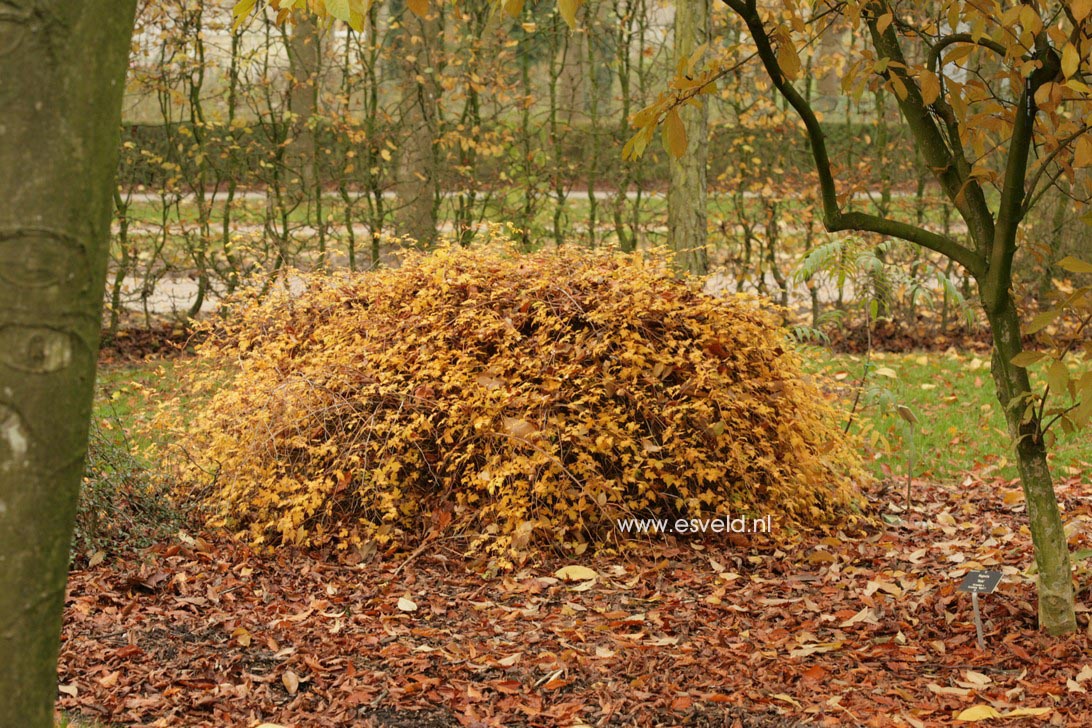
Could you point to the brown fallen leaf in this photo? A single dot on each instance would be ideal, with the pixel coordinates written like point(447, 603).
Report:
point(291, 682)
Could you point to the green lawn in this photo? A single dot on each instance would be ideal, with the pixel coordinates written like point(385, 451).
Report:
point(960, 425)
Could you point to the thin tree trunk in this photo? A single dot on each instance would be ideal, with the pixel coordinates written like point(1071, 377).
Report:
point(1056, 613)
point(304, 56)
point(62, 72)
point(417, 184)
point(686, 198)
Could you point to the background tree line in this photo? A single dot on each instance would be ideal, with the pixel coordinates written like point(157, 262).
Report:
point(307, 144)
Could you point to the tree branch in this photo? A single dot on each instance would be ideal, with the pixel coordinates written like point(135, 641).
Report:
point(933, 57)
point(1032, 195)
point(834, 219)
point(1011, 210)
point(961, 188)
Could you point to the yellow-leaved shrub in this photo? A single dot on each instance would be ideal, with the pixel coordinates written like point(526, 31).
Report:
point(525, 399)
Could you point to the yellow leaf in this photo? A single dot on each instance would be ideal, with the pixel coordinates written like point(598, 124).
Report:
point(930, 87)
point(692, 62)
point(884, 21)
point(1074, 265)
point(674, 134)
point(1027, 358)
point(1071, 60)
point(1042, 320)
point(1012, 497)
point(787, 58)
point(240, 11)
point(242, 636)
point(338, 9)
point(899, 87)
point(575, 573)
point(817, 648)
point(1080, 9)
point(418, 7)
point(568, 9)
point(1057, 376)
point(513, 7)
point(1026, 712)
point(1082, 155)
point(978, 712)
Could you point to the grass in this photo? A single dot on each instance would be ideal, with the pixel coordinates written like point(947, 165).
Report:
point(125, 395)
point(960, 424)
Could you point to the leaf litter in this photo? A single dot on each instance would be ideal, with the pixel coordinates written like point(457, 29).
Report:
point(719, 631)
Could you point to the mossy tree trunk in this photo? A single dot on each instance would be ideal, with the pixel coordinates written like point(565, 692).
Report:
point(1056, 606)
point(62, 73)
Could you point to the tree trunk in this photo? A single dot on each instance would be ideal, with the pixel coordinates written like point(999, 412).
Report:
point(686, 197)
point(62, 72)
point(304, 57)
point(1056, 613)
point(417, 183)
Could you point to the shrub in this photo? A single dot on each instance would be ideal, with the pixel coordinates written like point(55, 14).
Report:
point(123, 506)
point(528, 399)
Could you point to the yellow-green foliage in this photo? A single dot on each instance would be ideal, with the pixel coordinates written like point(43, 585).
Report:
point(532, 399)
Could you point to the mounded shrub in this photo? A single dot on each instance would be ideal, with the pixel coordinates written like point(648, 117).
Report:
point(526, 399)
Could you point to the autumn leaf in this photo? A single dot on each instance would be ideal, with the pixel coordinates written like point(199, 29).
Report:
point(568, 9)
point(418, 7)
point(1027, 358)
point(291, 682)
point(240, 11)
point(407, 605)
point(930, 87)
point(817, 648)
point(1071, 60)
point(787, 57)
point(1074, 265)
point(979, 712)
point(1082, 152)
point(674, 134)
point(518, 427)
point(338, 9)
point(575, 573)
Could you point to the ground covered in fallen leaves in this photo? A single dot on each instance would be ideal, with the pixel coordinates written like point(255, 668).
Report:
point(865, 630)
